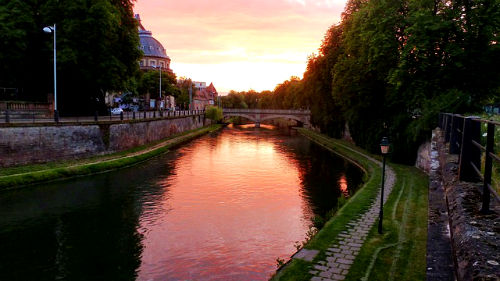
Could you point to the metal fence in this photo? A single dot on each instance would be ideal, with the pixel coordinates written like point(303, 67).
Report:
point(464, 136)
point(33, 117)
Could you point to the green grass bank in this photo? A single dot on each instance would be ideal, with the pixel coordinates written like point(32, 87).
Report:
point(398, 254)
point(38, 173)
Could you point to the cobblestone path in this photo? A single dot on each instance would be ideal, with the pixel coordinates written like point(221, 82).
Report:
point(341, 254)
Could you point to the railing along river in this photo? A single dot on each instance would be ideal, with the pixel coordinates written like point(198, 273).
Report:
point(464, 135)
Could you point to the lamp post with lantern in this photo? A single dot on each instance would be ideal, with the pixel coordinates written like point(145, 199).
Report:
point(384, 148)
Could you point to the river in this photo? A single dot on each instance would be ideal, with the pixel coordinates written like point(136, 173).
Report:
point(222, 207)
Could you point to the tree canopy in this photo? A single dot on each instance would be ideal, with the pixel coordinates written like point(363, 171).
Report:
point(149, 82)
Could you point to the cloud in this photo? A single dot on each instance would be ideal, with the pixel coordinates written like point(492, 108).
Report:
point(238, 32)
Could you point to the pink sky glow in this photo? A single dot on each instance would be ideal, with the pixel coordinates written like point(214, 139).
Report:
point(239, 44)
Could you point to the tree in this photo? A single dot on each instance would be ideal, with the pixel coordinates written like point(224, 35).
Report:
point(184, 85)
point(234, 100)
point(97, 50)
point(317, 84)
point(150, 83)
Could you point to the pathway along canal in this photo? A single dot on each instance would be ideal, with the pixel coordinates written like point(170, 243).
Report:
point(223, 207)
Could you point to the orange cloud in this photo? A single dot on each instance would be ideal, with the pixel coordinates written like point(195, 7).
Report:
point(212, 40)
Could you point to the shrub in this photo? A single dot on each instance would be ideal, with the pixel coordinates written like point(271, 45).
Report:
point(214, 113)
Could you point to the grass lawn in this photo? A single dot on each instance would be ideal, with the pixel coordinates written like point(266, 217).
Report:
point(405, 223)
point(30, 174)
point(400, 253)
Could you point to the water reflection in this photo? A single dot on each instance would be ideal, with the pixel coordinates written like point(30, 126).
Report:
point(223, 207)
point(343, 185)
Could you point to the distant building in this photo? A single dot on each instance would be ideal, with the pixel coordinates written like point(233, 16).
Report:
point(154, 53)
point(204, 96)
point(200, 85)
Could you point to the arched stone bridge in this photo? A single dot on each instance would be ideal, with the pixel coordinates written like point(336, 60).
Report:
point(303, 117)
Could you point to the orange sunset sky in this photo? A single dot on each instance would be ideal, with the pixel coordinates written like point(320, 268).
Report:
point(239, 44)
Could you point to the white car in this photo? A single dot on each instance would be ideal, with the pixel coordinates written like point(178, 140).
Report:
point(116, 111)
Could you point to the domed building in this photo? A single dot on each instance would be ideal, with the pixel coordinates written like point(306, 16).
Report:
point(155, 54)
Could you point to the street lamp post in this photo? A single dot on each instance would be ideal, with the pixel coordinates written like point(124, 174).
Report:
point(159, 67)
point(384, 148)
point(52, 29)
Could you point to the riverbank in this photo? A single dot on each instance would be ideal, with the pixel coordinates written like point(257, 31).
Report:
point(377, 257)
point(31, 174)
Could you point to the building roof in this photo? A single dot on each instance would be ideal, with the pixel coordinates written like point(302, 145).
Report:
point(206, 94)
point(149, 45)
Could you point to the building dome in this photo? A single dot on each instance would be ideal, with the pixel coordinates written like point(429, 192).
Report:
point(150, 46)
point(154, 52)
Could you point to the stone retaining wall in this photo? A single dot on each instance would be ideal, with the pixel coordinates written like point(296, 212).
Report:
point(475, 236)
point(423, 161)
point(45, 143)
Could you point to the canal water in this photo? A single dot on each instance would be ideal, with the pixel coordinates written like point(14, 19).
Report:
point(223, 207)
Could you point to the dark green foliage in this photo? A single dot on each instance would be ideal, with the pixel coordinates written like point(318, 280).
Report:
point(391, 66)
point(287, 95)
point(234, 100)
point(214, 113)
point(184, 85)
point(97, 50)
point(149, 82)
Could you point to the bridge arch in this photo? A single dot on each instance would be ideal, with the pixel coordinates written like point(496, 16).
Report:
point(259, 115)
point(298, 119)
point(251, 118)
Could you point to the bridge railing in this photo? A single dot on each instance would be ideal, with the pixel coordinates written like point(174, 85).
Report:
point(476, 150)
point(266, 111)
point(9, 118)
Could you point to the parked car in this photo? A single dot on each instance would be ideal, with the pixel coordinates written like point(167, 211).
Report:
point(116, 111)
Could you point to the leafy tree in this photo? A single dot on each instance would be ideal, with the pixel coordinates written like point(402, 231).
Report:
point(150, 83)
point(97, 50)
point(317, 93)
point(234, 100)
point(287, 94)
point(251, 99)
point(184, 85)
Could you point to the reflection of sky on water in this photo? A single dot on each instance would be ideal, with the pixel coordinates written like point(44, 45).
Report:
point(222, 207)
point(235, 207)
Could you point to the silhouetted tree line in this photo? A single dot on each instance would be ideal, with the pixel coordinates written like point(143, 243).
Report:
point(286, 95)
point(390, 66)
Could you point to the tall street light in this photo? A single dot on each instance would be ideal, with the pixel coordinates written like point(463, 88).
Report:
point(384, 148)
point(159, 66)
point(52, 29)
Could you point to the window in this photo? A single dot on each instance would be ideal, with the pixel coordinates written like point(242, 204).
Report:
point(141, 63)
point(152, 63)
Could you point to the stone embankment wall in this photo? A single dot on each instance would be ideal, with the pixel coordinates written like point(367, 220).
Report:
point(424, 157)
point(45, 143)
point(475, 237)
